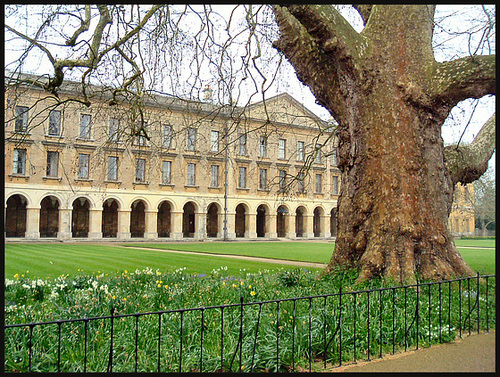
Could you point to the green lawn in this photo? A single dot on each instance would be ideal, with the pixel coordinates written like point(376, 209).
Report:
point(317, 252)
point(481, 260)
point(475, 243)
point(52, 260)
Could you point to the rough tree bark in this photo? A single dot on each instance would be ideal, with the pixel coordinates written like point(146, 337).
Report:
point(390, 98)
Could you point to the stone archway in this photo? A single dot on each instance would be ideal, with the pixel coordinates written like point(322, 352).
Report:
point(299, 222)
point(137, 219)
point(281, 226)
point(15, 216)
point(80, 218)
point(212, 220)
point(49, 217)
point(261, 221)
point(110, 218)
point(189, 220)
point(164, 221)
point(240, 222)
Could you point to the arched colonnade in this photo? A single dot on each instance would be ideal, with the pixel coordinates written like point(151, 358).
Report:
point(83, 218)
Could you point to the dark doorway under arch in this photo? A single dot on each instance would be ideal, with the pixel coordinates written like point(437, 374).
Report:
point(80, 219)
point(49, 217)
point(317, 222)
point(261, 221)
point(15, 216)
point(138, 219)
point(164, 219)
point(188, 220)
point(110, 219)
point(299, 222)
point(212, 220)
point(281, 221)
point(333, 222)
point(240, 221)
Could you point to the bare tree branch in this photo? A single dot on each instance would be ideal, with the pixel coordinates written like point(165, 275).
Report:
point(469, 77)
point(83, 27)
point(467, 162)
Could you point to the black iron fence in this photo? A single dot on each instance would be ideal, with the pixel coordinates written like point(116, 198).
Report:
point(293, 334)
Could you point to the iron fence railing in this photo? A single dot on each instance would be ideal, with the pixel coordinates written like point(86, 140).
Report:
point(292, 334)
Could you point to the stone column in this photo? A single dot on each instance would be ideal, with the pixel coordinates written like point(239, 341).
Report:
point(95, 223)
point(176, 225)
point(200, 230)
point(124, 224)
point(231, 225)
point(64, 224)
point(33, 223)
point(151, 231)
point(271, 225)
point(251, 225)
point(325, 226)
point(290, 230)
point(309, 226)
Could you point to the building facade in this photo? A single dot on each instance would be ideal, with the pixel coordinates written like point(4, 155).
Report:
point(170, 169)
point(185, 170)
point(462, 217)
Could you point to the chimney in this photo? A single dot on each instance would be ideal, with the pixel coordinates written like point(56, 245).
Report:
point(207, 94)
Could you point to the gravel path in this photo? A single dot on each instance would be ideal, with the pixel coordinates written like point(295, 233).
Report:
point(244, 257)
point(474, 353)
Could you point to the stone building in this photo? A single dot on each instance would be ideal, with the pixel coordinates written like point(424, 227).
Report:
point(169, 169)
point(188, 170)
point(462, 217)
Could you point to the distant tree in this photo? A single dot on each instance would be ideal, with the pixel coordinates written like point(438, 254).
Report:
point(485, 203)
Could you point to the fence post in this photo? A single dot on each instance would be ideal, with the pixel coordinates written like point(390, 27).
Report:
point(110, 362)
point(241, 332)
point(478, 304)
point(340, 326)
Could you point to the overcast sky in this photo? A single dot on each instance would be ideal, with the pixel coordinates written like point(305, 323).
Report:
point(452, 45)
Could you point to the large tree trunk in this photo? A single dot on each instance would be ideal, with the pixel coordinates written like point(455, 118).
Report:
point(396, 192)
point(390, 99)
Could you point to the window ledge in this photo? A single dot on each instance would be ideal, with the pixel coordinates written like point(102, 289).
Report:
point(83, 180)
point(18, 175)
point(145, 183)
point(85, 139)
point(55, 136)
point(52, 178)
point(110, 181)
point(166, 184)
point(263, 190)
point(215, 187)
point(191, 186)
point(243, 188)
